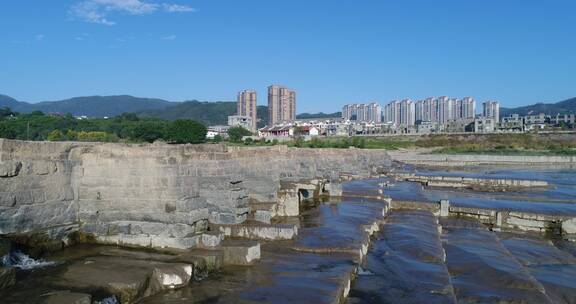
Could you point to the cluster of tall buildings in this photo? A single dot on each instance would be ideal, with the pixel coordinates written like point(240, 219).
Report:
point(281, 107)
point(441, 110)
point(438, 110)
point(365, 112)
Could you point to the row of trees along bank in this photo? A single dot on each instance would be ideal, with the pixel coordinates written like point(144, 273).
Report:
point(124, 128)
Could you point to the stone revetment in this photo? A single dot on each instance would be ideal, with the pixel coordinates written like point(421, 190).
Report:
point(165, 196)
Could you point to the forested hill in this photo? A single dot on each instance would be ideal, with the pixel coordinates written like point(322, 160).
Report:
point(319, 115)
point(566, 106)
point(91, 106)
point(209, 113)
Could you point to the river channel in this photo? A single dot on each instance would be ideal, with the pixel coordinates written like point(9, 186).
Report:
point(358, 250)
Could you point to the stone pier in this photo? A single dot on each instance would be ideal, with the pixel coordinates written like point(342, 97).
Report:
point(482, 184)
point(564, 225)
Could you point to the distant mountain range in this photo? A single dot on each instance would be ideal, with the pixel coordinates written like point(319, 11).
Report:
point(92, 106)
point(209, 113)
point(319, 115)
point(566, 106)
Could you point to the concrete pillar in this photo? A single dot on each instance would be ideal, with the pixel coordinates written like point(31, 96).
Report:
point(444, 208)
point(499, 219)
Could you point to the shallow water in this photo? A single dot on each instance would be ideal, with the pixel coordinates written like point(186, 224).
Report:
point(559, 198)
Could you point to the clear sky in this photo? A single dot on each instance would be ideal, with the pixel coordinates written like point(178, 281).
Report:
point(332, 52)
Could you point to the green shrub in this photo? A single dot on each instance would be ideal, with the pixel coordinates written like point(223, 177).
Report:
point(236, 133)
point(184, 131)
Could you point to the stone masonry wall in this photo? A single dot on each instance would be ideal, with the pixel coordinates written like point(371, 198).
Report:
point(166, 191)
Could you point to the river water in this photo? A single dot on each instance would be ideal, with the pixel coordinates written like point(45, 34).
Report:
point(414, 258)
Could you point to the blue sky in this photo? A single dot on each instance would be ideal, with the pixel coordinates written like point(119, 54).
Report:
point(332, 52)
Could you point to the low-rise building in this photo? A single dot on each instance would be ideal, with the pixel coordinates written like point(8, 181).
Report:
point(484, 125)
point(427, 127)
point(307, 131)
point(536, 119)
point(217, 130)
point(245, 122)
point(459, 126)
point(513, 123)
point(567, 119)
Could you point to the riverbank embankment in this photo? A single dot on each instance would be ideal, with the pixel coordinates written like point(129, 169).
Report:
point(423, 157)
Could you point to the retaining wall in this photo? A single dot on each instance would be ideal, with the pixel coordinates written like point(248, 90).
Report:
point(144, 190)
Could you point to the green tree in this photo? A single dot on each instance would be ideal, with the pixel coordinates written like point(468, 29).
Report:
point(55, 135)
point(94, 136)
point(128, 117)
point(217, 138)
point(236, 133)
point(149, 131)
point(186, 131)
point(6, 130)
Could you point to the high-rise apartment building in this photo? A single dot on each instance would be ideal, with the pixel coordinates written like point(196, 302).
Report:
point(467, 108)
point(246, 106)
point(430, 109)
point(445, 109)
point(419, 111)
point(491, 109)
point(370, 112)
point(281, 104)
point(392, 112)
point(407, 112)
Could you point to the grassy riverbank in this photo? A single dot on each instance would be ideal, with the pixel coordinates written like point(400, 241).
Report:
point(503, 144)
point(493, 144)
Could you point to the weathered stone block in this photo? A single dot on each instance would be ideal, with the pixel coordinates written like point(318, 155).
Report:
point(10, 168)
point(260, 231)
point(212, 239)
point(241, 252)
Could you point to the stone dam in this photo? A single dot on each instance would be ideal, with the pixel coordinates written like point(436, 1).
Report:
point(156, 223)
point(163, 195)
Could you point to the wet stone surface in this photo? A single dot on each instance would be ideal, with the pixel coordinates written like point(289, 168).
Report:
point(553, 268)
point(482, 270)
point(405, 264)
point(316, 267)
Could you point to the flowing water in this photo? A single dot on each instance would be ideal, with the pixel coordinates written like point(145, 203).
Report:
point(20, 260)
point(414, 258)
